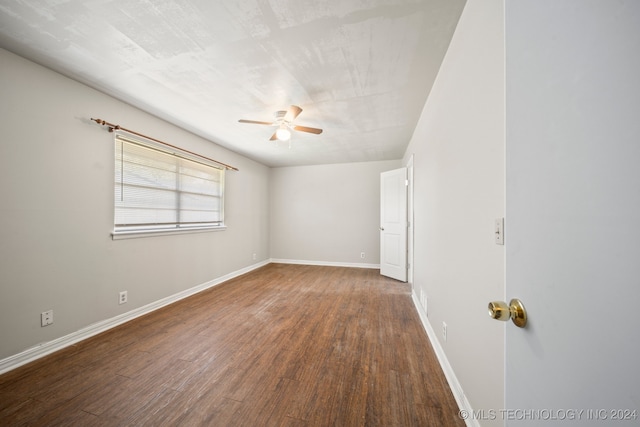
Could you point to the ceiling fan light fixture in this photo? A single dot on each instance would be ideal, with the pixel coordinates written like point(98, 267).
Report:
point(283, 134)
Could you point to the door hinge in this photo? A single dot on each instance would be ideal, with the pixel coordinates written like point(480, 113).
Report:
point(406, 182)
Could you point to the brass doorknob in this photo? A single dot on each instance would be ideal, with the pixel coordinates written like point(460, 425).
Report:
point(515, 311)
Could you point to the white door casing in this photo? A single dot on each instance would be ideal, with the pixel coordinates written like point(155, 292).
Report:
point(393, 224)
point(410, 222)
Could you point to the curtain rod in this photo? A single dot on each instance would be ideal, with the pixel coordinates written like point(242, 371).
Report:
point(113, 127)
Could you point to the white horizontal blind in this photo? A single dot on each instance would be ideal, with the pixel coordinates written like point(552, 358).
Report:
point(160, 190)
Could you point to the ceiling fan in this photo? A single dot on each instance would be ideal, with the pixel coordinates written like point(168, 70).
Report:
point(284, 121)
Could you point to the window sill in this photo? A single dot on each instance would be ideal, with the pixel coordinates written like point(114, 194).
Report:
point(135, 234)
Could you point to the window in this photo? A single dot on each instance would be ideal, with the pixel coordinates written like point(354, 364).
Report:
point(159, 189)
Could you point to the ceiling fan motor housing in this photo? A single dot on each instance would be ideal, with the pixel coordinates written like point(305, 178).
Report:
point(279, 116)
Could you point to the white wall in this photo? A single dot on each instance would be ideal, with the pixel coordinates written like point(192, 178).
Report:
point(328, 213)
point(459, 148)
point(56, 212)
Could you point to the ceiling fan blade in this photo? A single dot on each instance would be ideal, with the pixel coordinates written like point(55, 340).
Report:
point(255, 122)
point(273, 137)
point(292, 113)
point(308, 129)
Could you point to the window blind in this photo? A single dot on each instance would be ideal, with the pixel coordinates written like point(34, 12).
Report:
point(156, 189)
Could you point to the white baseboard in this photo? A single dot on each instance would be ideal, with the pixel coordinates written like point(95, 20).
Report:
point(49, 347)
point(454, 384)
point(324, 263)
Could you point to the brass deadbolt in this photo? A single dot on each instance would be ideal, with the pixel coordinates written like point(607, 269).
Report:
point(515, 311)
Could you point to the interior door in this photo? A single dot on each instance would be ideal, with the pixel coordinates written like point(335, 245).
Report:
point(393, 224)
point(572, 212)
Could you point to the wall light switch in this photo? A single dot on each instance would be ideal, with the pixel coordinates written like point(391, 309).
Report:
point(499, 231)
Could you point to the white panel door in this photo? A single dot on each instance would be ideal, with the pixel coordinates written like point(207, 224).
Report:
point(393, 224)
point(572, 212)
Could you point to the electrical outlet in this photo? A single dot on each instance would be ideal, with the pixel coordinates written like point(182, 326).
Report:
point(362, 255)
point(444, 331)
point(123, 297)
point(46, 317)
point(254, 257)
point(423, 300)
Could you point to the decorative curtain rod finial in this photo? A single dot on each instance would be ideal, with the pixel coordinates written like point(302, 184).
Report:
point(110, 126)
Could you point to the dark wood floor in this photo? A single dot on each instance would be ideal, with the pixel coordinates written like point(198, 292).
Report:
point(285, 345)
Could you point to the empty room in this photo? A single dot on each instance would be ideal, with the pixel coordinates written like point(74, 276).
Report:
point(319, 213)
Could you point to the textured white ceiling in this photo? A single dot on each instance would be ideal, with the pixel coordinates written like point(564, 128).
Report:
point(360, 69)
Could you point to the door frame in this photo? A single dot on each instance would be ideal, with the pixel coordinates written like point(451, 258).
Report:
point(410, 224)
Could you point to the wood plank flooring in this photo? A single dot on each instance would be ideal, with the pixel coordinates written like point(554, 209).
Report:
point(284, 345)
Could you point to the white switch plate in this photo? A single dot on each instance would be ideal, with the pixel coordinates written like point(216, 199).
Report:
point(498, 229)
